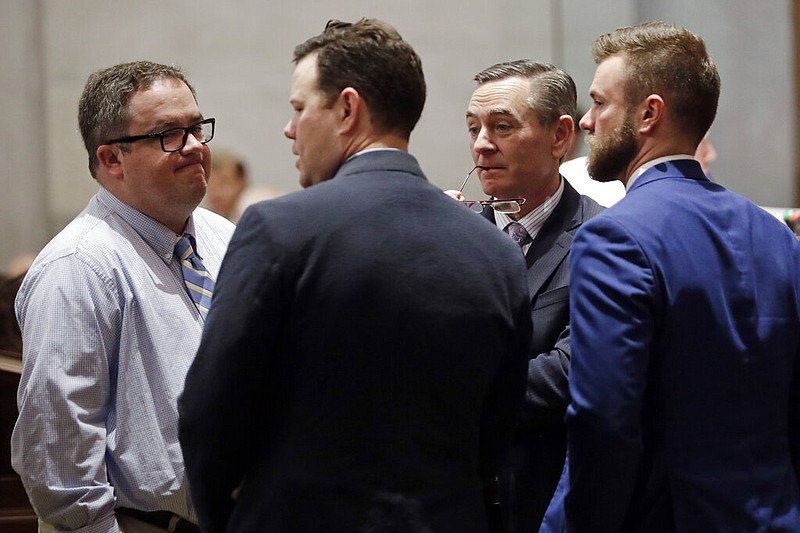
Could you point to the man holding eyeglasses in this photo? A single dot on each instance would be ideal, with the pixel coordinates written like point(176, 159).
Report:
point(111, 314)
point(520, 121)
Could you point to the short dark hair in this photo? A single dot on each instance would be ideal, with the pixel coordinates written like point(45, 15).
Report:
point(103, 107)
point(671, 62)
point(371, 57)
point(553, 91)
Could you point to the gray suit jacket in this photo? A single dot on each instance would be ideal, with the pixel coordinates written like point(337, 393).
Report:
point(533, 466)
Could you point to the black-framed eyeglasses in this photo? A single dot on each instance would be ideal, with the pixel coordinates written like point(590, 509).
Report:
point(505, 205)
point(174, 139)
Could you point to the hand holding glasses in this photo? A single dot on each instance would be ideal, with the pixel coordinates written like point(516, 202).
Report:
point(507, 205)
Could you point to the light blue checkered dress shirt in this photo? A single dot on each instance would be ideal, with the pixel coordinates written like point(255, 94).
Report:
point(109, 332)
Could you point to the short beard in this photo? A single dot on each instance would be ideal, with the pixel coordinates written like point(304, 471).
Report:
point(609, 157)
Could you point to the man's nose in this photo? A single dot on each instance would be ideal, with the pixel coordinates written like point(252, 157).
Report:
point(288, 130)
point(483, 142)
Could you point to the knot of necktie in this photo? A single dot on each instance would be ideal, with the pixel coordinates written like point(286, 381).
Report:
point(518, 232)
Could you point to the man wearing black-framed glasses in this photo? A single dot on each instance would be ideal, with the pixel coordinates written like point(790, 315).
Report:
point(174, 139)
point(112, 311)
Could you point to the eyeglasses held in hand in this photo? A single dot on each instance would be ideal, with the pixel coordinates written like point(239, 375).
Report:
point(508, 206)
point(174, 139)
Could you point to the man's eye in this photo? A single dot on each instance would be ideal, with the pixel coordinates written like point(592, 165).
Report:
point(473, 132)
point(177, 133)
point(503, 128)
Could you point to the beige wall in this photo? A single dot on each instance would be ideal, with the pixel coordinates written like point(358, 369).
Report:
point(238, 55)
point(24, 211)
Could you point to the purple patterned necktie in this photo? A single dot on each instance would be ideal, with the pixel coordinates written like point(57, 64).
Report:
point(518, 232)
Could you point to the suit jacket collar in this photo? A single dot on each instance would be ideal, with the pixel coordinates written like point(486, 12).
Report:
point(553, 242)
point(388, 160)
point(677, 168)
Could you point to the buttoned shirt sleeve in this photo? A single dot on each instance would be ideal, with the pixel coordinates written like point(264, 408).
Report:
point(109, 332)
point(59, 443)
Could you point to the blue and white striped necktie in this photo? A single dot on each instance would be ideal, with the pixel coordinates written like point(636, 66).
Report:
point(199, 282)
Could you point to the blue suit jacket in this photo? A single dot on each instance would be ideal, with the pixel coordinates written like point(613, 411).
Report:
point(363, 361)
point(685, 413)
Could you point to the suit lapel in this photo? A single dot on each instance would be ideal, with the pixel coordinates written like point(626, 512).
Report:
point(553, 241)
point(541, 268)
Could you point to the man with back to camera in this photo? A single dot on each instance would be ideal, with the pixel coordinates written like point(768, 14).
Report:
point(109, 324)
point(371, 379)
point(685, 305)
point(520, 121)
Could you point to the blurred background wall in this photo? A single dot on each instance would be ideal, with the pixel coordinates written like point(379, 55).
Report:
point(238, 56)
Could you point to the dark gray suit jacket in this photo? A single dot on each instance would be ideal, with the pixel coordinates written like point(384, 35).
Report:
point(533, 466)
point(363, 362)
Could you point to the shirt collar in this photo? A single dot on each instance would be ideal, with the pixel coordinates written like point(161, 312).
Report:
point(644, 168)
point(159, 237)
point(534, 220)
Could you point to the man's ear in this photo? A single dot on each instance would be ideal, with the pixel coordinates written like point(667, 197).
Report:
point(110, 160)
point(563, 131)
point(651, 112)
point(352, 109)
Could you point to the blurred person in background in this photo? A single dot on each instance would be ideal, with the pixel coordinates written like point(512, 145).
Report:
point(230, 189)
